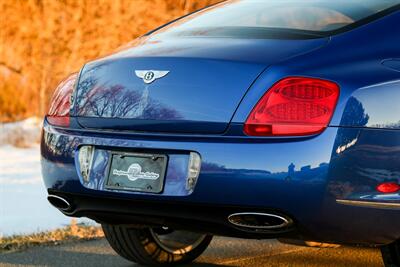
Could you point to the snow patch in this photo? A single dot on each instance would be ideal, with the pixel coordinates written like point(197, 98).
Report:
point(21, 133)
point(24, 208)
point(20, 166)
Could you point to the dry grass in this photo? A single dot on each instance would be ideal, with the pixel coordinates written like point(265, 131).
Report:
point(42, 41)
point(71, 233)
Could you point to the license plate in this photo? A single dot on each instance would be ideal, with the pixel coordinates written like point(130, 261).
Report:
point(137, 172)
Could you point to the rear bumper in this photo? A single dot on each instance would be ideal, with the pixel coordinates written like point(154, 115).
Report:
point(210, 219)
point(302, 179)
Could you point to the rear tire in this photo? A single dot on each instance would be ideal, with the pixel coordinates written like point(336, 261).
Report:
point(391, 254)
point(156, 246)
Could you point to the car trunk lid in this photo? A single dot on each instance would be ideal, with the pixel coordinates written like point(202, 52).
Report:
point(199, 94)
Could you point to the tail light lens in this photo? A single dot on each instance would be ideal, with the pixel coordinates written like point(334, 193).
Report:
point(294, 107)
point(388, 188)
point(59, 113)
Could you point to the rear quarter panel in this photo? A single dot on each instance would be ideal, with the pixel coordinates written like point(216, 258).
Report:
point(358, 61)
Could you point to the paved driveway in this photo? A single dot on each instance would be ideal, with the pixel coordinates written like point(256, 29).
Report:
point(222, 252)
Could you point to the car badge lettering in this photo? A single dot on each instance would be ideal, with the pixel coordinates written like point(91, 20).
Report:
point(134, 173)
point(149, 76)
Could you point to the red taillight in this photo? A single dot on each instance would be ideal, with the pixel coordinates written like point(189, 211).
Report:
point(60, 105)
point(388, 187)
point(294, 107)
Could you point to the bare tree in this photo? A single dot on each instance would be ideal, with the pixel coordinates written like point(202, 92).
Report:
point(42, 41)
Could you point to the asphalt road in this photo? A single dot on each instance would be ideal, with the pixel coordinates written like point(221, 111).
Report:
point(222, 252)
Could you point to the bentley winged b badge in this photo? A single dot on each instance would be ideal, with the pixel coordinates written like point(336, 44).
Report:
point(149, 76)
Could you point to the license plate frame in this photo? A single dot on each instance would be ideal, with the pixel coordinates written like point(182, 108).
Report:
point(136, 172)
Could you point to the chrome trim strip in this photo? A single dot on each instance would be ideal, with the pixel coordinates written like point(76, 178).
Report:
point(368, 204)
point(285, 222)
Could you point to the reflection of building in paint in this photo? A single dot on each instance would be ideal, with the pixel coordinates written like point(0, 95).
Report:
point(306, 168)
point(305, 174)
point(379, 175)
point(394, 125)
point(291, 171)
point(323, 165)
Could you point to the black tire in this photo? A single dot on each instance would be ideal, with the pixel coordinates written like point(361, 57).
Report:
point(144, 246)
point(391, 254)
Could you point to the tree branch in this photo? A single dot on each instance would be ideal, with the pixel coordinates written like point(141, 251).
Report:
point(11, 68)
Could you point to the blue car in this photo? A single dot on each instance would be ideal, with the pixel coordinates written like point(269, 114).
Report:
point(249, 119)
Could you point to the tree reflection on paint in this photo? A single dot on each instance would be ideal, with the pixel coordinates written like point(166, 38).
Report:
point(353, 115)
point(119, 102)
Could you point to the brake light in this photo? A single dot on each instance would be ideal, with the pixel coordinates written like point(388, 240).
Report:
point(296, 106)
point(60, 105)
point(388, 187)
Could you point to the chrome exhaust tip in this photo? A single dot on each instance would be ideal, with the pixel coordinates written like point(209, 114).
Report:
point(59, 202)
point(259, 221)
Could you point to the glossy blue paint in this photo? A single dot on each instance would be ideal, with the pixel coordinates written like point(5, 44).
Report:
point(202, 104)
point(392, 64)
point(367, 157)
point(375, 106)
point(199, 95)
point(352, 59)
point(301, 177)
point(185, 96)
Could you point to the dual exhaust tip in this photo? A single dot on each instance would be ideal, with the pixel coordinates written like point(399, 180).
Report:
point(59, 202)
point(259, 221)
